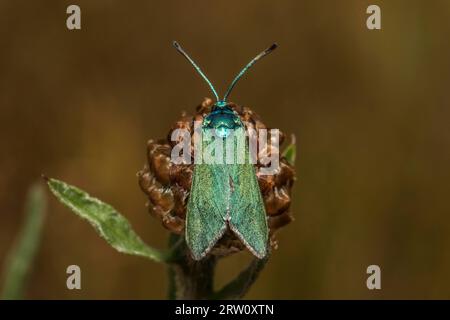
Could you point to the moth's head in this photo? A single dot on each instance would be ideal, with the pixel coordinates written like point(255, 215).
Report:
point(222, 119)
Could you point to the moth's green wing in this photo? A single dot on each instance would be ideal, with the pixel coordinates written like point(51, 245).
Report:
point(206, 209)
point(222, 193)
point(248, 215)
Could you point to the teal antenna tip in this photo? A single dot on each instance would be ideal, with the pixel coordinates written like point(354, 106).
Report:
point(248, 66)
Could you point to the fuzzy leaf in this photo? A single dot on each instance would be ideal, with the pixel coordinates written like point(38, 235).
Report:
point(20, 259)
point(109, 223)
point(290, 152)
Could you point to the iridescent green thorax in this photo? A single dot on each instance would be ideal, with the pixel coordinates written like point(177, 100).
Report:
point(222, 119)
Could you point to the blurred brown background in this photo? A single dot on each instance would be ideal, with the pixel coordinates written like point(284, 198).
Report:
point(369, 109)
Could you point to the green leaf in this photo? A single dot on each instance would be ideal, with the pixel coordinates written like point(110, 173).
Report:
point(290, 152)
point(109, 223)
point(20, 259)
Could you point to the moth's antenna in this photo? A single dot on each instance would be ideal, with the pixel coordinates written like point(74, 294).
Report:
point(248, 66)
point(180, 50)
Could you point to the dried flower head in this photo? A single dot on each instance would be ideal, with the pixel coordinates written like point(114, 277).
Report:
point(167, 185)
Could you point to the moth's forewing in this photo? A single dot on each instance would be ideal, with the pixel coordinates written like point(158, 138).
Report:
point(207, 207)
point(248, 215)
point(222, 193)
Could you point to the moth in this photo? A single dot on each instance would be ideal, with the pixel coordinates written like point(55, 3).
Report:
point(226, 195)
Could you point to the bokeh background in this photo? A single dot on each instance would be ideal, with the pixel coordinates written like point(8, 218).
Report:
point(370, 110)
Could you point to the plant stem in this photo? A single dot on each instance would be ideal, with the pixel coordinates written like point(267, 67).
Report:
point(20, 260)
point(194, 279)
point(190, 279)
point(237, 288)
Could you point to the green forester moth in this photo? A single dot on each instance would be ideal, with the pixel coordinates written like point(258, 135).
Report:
point(225, 195)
